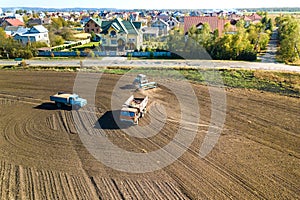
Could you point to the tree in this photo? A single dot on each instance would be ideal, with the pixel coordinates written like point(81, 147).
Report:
point(93, 36)
point(289, 30)
point(57, 40)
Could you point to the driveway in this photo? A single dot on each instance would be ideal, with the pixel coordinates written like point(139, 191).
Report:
point(270, 55)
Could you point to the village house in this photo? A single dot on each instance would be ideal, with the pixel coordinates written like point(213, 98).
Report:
point(35, 34)
point(117, 34)
point(38, 21)
point(11, 22)
point(162, 26)
point(93, 25)
point(150, 32)
point(12, 30)
point(173, 22)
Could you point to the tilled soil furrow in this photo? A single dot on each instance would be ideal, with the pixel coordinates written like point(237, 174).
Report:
point(31, 189)
point(128, 191)
point(62, 187)
point(83, 192)
point(175, 190)
point(64, 121)
point(286, 185)
point(44, 185)
point(22, 183)
point(166, 191)
point(68, 187)
point(146, 190)
point(2, 178)
point(134, 194)
point(70, 123)
point(55, 190)
point(154, 191)
point(109, 189)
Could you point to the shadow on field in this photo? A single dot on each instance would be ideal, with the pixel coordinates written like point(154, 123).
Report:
point(107, 121)
point(128, 87)
point(52, 106)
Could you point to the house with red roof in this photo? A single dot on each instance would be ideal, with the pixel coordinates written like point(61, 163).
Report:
point(11, 22)
point(213, 21)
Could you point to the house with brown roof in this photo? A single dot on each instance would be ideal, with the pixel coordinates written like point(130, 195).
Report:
point(11, 22)
point(198, 21)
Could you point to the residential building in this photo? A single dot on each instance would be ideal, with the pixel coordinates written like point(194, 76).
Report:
point(162, 26)
point(117, 34)
point(93, 25)
point(38, 21)
point(173, 22)
point(35, 34)
point(12, 30)
point(11, 22)
point(150, 32)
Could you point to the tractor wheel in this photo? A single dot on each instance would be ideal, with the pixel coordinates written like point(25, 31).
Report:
point(58, 105)
point(136, 122)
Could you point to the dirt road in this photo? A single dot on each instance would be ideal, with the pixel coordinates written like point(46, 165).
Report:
point(42, 156)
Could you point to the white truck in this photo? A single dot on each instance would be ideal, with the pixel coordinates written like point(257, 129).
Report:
point(133, 109)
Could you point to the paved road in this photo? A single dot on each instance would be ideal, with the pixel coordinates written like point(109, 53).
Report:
point(160, 63)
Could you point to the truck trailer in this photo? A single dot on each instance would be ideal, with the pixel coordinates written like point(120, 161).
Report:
point(68, 99)
point(133, 109)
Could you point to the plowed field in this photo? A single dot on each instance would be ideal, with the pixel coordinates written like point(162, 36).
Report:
point(42, 156)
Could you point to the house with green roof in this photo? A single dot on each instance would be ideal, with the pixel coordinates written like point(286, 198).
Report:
point(116, 34)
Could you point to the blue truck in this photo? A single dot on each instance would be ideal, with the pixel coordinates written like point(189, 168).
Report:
point(68, 99)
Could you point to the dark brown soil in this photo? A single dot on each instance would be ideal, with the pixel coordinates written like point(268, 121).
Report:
point(42, 157)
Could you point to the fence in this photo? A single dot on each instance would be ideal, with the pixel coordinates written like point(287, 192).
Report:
point(81, 53)
point(102, 54)
point(150, 54)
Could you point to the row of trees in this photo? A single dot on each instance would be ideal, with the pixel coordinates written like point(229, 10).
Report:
point(9, 48)
point(241, 44)
point(289, 38)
